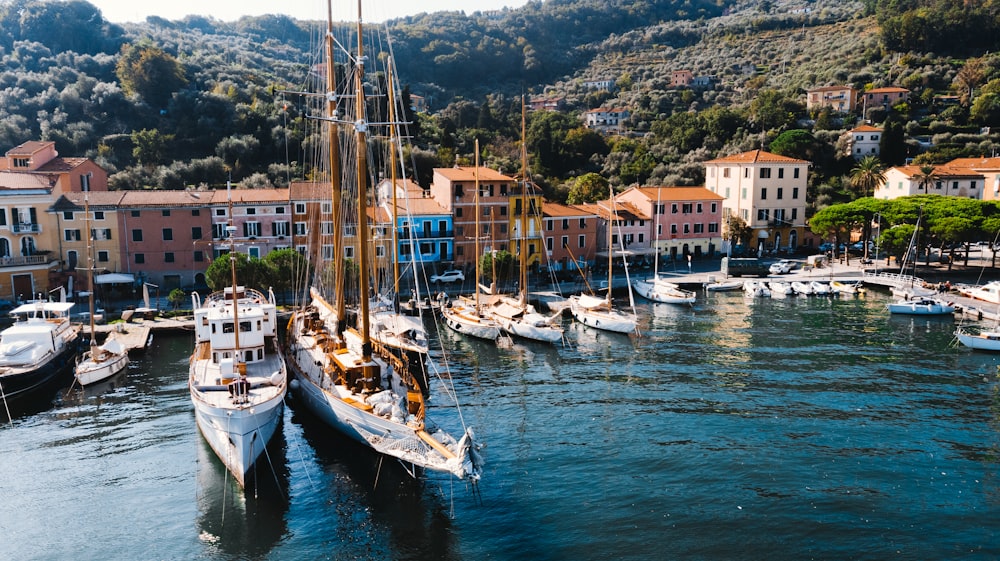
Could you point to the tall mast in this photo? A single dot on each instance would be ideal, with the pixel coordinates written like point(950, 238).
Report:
point(336, 190)
point(231, 229)
point(611, 249)
point(90, 268)
point(395, 209)
point(524, 208)
point(361, 129)
point(476, 282)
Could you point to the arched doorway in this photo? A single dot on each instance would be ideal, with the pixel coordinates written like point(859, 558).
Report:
point(793, 240)
point(4, 247)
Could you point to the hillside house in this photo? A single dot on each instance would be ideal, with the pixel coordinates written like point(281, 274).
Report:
point(842, 99)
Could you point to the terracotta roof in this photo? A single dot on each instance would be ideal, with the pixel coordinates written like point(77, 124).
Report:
point(60, 165)
point(623, 211)
point(157, 198)
point(942, 172)
point(99, 199)
point(249, 196)
point(890, 89)
point(557, 210)
point(419, 206)
point(29, 148)
point(25, 180)
point(830, 89)
point(865, 128)
point(978, 164)
point(756, 157)
point(679, 194)
point(463, 173)
point(310, 191)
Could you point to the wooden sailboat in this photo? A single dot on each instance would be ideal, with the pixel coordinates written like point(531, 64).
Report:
point(515, 315)
point(352, 382)
point(237, 377)
point(464, 315)
point(600, 312)
point(98, 363)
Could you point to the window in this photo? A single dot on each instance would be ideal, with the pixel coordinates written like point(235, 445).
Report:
point(795, 173)
point(140, 258)
point(548, 244)
point(763, 193)
point(220, 212)
point(196, 232)
point(279, 210)
point(98, 215)
point(251, 211)
point(136, 214)
point(103, 256)
point(168, 257)
point(68, 215)
point(699, 209)
point(199, 256)
point(137, 235)
point(714, 207)
point(300, 208)
point(699, 228)
point(196, 212)
point(564, 242)
point(166, 212)
point(725, 172)
point(673, 228)
point(279, 228)
point(673, 208)
point(300, 228)
point(252, 229)
point(583, 223)
point(100, 233)
point(795, 214)
point(565, 224)
point(168, 234)
point(548, 225)
point(22, 162)
point(581, 241)
point(781, 192)
point(218, 230)
point(762, 214)
point(349, 252)
point(795, 192)
point(713, 227)
point(781, 173)
point(72, 235)
point(686, 208)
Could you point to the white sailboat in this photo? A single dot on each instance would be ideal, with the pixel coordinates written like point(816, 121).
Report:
point(600, 312)
point(656, 288)
point(515, 315)
point(921, 306)
point(98, 363)
point(466, 315)
point(352, 382)
point(237, 377)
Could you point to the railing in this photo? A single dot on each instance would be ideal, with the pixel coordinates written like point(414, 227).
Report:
point(18, 228)
point(893, 279)
point(20, 261)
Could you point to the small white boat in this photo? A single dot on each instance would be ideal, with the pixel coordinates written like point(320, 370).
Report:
point(724, 285)
point(989, 292)
point(982, 341)
point(755, 289)
point(820, 288)
point(849, 288)
point(598, 312)
point(781, 288)
point(465, 317)
point(922, 306)
point(663, 291)
point(802, 287)
point(101, 363)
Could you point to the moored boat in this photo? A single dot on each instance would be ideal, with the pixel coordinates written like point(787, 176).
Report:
point(38, 350)
point(820, 288)
point(848, 288)
point(989, 292)
point(983, 341)
point(237, 376)
point(660, 290)
point(922, 306)
point(724, 285)
point(801, 287)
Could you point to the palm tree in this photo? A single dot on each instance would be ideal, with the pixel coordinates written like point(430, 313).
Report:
point(926, 177)
point(868, 174)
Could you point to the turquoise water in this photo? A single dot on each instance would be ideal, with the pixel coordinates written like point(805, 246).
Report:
point(801, 428)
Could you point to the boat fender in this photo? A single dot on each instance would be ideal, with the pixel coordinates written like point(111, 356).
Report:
point(277, 378)
point(294, 384)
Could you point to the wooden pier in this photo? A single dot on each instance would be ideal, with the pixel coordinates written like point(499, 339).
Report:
point(136, 334)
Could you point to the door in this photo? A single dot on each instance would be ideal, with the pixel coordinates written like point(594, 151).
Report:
point(23, 286)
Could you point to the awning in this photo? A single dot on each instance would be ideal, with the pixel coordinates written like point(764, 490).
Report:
point(114, 278)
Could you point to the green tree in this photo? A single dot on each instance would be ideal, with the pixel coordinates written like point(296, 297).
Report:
point(892, 146)
point(868, 174)
point(926, 177)
point(588, 188)
point(290, 269)
point(149, 72)
point(177, 298)
point(795, 143)
point(148, 146)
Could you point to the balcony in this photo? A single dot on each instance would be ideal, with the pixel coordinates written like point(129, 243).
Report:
point(25, 228)
point(21, 261)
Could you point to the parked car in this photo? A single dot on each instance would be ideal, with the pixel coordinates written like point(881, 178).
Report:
point(453, 275)
point(782, 267)
point(828, 246)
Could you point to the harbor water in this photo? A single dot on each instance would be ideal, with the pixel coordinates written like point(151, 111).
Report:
point(782, 429)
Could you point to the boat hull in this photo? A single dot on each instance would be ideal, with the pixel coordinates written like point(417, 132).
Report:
point(21, 384)
point(981, 342)
point(651, 290)
point(921, 308)
point(613, 320)
point(91, 372)
point(467, 322)
point(238, 436)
